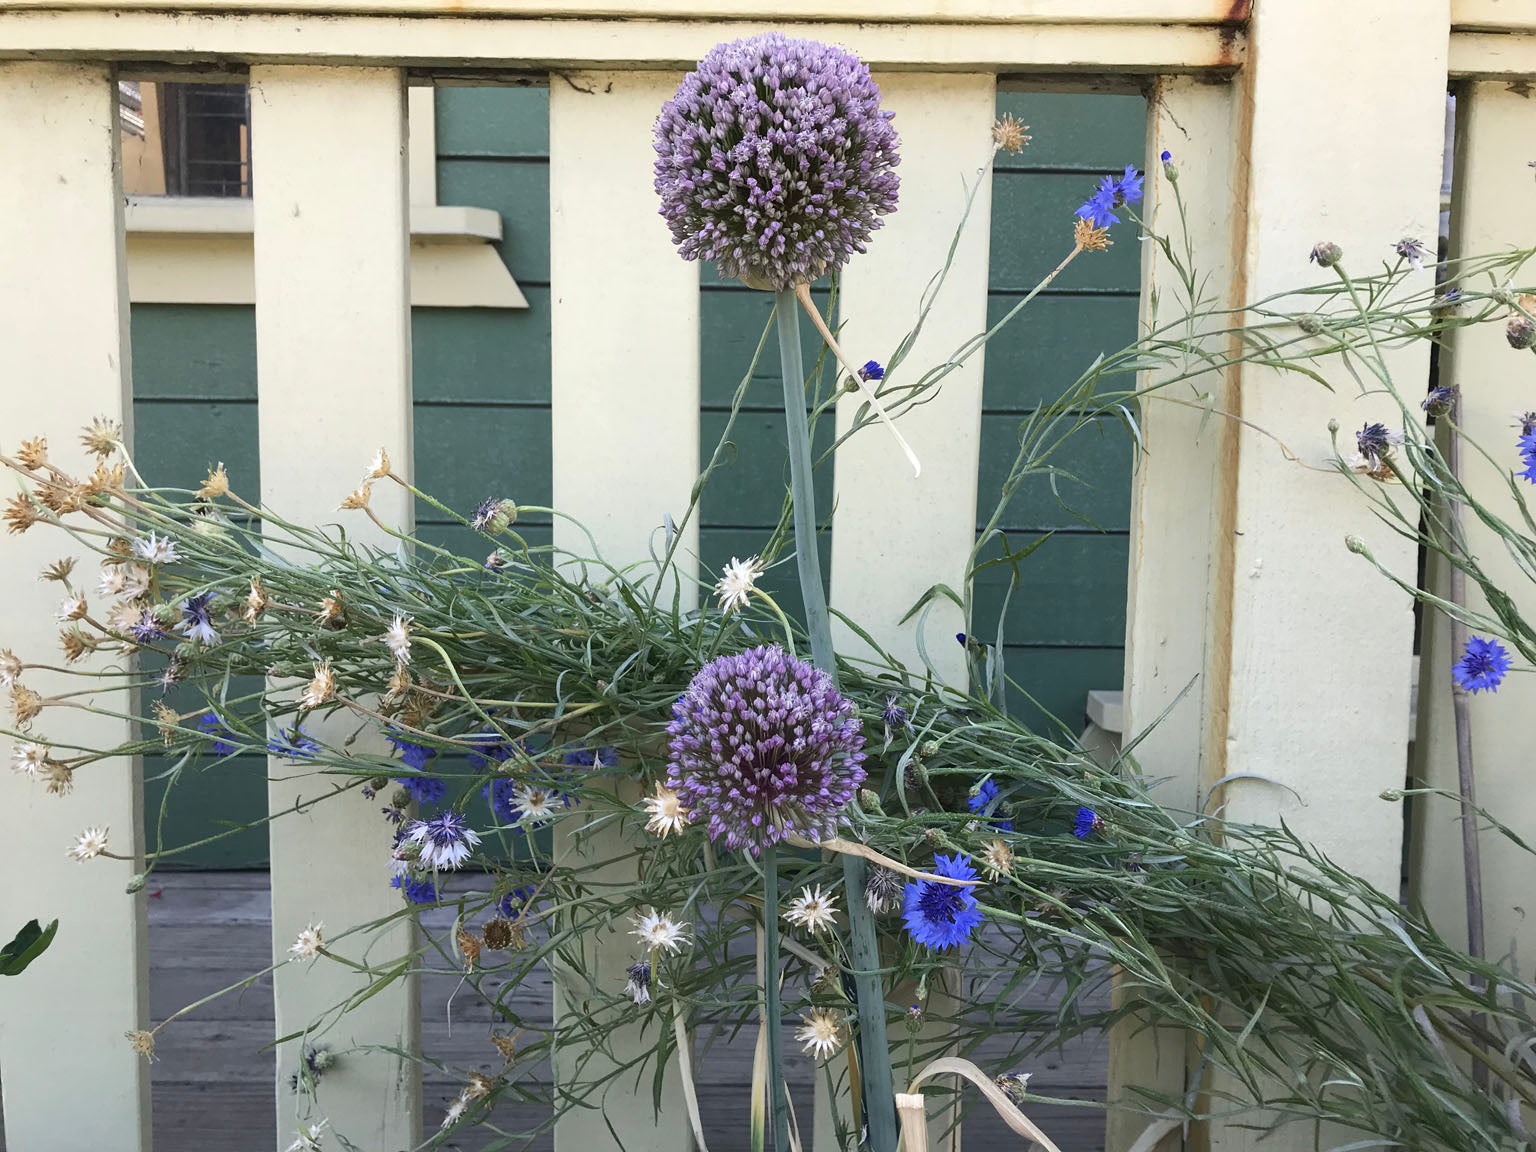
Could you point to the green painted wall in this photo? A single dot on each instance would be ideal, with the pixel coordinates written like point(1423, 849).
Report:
point(481, 379)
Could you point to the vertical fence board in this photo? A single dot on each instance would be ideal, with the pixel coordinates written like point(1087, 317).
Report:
point(896, 535)
point(1174, 554)
point(624, 354)
point(63, 361)
point(333, 363)
point(1493, 197)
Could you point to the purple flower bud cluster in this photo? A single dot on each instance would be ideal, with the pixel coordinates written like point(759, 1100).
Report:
point(775, 160)
point(764, 746)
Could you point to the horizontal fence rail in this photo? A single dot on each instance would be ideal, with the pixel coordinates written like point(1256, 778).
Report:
point(1226, 574)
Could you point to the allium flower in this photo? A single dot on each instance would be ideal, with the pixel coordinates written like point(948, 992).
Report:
point(1482, 666)
point(666, 812)
point(984, 798)
point(774, 160)
point(941, 915)
point(221, 736)
point(737, 579)
point(89, 844)
point(822, 1033)
point(1086, 823)
point(418, 890)
point(639, 983)
point(398, 639)
point(309, 943)
point(1412, 251)
point(813, 910)
point(157, 550)
point(660, 931)
point(445, 840)
point(763, 747)
point(195, 622)
point(883, 889)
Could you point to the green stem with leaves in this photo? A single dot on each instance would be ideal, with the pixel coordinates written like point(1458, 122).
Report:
point(878, 1091)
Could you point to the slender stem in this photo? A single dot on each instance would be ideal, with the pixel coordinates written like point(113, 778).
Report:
point(878, 1090)
point(773, 1013)
point(1471, 852)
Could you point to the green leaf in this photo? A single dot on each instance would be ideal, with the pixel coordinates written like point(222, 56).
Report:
point(27, 945)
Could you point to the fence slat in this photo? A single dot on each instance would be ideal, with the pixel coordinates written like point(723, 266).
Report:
point(333, 353)
point(1490, 213)
point(64, 360)
point(1174, 504)
point(896, 535)
point(625, 430)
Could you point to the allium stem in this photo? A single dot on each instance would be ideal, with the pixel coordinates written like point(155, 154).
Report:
point(878, 1093)
point(773, 1012)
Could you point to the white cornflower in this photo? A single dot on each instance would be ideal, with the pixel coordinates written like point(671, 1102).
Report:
point(737, 579)
point(455, 1111)
point(398, 639)
point(135, 581)
point(73, 608)
point(378, 467)
point(445, 840)
point(30, 759)
point(321, 688)
point(997, 859)
point(89, 844)
point(822, 1033)
point(112, 582)
point(660, 931)
point(309, 1138)
point(666, 812)
point(812, 910)
point(154, 549)
point(536, 805)
point(309, 942)
point(10, 667)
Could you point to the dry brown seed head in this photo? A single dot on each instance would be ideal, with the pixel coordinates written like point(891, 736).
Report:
point(33, 453)
point(217, 483)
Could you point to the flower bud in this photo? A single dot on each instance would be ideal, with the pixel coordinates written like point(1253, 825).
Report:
point(1326, 254)
point(869, 800)
point(1520, 332)
point(1333, 427)
point(401, 799)
point(914, 1019)
point(1356, 545)
point(1310, 323)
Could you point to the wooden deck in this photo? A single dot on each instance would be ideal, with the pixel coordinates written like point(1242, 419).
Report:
point(213, 1086)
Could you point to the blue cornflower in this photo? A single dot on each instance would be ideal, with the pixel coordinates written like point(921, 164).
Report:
point(499, 797)
point(146, 629)
point(939, 915)
point(1439, 400)
point(222, 737)
point(1128, 187)
point(1482, 666)
point(445, 841)
point(1527, 447)
point(1112, 193)
point(985, 797)
point(1166, 156)
point(604, 757)
point(895, 716)
point(412, 754)
point(514, 901)
point(491, 750)
point(424, 789)
point(872, 371)
point(1086, 823)
point(393, 815)
point(293, 744)
point(195, 619)
point(421, 891)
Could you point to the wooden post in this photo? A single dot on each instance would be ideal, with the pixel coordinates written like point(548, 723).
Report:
point(1176, 556)
point(895, 535)
point(334, 361)
point(64, 361)
point(1492, 192)
point(625, 428)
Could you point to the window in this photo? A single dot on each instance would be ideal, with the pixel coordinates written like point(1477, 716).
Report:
point(185, 139)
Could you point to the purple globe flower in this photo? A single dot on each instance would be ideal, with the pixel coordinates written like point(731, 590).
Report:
point(763, 746)
point(775, 160)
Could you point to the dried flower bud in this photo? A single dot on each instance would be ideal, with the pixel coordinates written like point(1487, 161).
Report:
point(33, 453)
point(1326, 254)
point(358, 498)
point(142, 1043)
point(400, 799)
point(21, 513)
point(913, 1019)
point(102, 436)
point(1089, 238)
point(494, 515)
point(217, 483)
point(469, 946)
point(321, 688)
point(333, 611)
point(930, 748)
point(1014, 1085)
point(883, 889)
point(506, 1045)
point(59, 570)
point(1310, 323)
point(1009, 135)
point(25, 703)
point(1520, 332)
point(378, 467)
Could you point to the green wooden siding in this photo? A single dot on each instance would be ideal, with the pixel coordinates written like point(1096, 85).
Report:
point(482, 403)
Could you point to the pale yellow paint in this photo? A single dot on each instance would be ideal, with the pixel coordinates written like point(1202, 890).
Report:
point(1493, 193)
point(1174, 561)
point(64, 360)
point(334, 361)
point(896, 535)
point(1493, 54)
point(624, 353)
point(421, 148)
point(1494, 15)
point(544, 44)
point(980, 11)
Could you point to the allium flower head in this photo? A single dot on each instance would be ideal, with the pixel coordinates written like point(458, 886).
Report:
point(774, 160)
point(1482, 666)
point(942, 915)
point(763, 746)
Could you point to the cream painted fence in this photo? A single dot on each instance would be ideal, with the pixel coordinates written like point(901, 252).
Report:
point(1301, 121)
